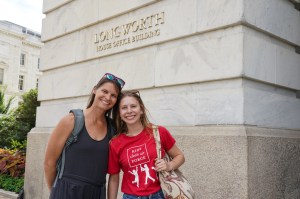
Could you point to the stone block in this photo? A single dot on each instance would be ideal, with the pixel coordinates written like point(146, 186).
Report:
point(278, 18)
point(222, 161)
point(206, 57)
point(70, 17)
point(216, 166)
point(273, 167)
point(160, 22)
point(77, 14)
point(135, 67)
point(57, 111)
point(108, 9)
point(212, 15)
point(196, 104)
point(35, 184)
point(269, 60)
point(271, 106)
point(49, 5)
point(64, 53)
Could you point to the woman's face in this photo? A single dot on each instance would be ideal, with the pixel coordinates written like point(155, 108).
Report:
point(105, 96)
point(130, 110)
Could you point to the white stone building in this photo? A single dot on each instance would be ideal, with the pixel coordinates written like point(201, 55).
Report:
point(221, 75)
point(19, 59)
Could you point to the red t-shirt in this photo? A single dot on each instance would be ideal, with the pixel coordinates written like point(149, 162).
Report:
point(136, 157)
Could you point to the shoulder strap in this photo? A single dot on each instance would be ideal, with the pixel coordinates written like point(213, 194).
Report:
point(78, 125)
point(157, 141)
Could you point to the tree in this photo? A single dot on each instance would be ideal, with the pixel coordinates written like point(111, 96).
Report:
point(16, 124)
point(4, 106)
point(26, 112)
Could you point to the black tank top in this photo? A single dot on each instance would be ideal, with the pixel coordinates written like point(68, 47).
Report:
point(87, 159)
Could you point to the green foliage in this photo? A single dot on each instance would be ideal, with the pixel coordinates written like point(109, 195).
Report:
point(15, 125)
point(10, 130)
point(4, 107)
point(26, 111)
point(9, 183)
point(18, 146)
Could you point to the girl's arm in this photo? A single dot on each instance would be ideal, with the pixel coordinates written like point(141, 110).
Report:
point(113, 186)
point(55, 146)
point(177, 160)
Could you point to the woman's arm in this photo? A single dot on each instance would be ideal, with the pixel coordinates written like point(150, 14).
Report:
point(113, 186)
point(177, 160)
point(55, 146)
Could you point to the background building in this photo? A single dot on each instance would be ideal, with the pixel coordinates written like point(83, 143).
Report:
point(19, 59)
point(222, 75)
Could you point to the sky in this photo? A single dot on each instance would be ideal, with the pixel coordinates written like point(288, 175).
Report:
point(27, 13)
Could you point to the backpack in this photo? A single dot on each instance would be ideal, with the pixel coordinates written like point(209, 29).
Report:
point(78, 125)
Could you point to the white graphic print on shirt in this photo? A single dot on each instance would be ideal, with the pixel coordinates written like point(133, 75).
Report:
point(136, 176)
point(138, 156)
point(146, 169)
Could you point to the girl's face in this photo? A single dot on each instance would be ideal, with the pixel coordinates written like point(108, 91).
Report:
point(105, 96)
point(130, 110)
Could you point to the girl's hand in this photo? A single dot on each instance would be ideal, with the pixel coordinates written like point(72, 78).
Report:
point(162, 165)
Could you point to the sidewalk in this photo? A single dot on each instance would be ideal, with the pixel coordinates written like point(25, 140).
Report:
point(7, 195)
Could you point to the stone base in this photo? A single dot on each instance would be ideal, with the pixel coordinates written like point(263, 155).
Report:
point(35, 185)
point(8, 194)
point(236, 162)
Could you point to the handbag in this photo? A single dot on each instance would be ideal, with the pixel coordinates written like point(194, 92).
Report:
point(173, 184)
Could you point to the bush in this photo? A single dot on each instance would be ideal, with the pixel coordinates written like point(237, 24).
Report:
point(26, 111)
point(18, 146)
point(16, 124)
point(4, 106)
point(12, 163)
point(12, 169)
point(10, 130)
point(9, 183)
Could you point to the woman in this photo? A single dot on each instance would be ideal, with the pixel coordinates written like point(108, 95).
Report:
point(86, 160)
point(134, 151)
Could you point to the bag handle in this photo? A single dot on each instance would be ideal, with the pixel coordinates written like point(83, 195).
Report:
point(157, 141)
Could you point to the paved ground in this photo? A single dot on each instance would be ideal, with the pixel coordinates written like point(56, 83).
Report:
point(7, 195)
point(4, 197)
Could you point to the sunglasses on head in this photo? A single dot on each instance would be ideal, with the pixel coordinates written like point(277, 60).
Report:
point(118, 80)
point(136, 92)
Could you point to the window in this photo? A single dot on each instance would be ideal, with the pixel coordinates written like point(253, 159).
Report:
point(38, 63)
point(21, 82)
point(1, 75)
point(37, 82)
point(22, 59)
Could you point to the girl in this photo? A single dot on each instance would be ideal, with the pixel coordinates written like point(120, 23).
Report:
point(134, 151)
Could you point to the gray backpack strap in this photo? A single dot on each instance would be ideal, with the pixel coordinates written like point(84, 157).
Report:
point(78, 125)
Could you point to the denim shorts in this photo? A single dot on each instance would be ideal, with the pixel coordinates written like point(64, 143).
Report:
point(156, 195)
